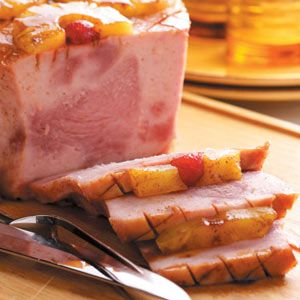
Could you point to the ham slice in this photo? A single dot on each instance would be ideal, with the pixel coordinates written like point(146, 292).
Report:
point(91, 183)
point(71, 108)
point(135, 218)
point(270, 256)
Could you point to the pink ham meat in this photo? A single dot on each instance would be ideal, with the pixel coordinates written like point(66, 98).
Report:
point(81, 105)
point(90, 184)
point(270, 256)
point(135, 218)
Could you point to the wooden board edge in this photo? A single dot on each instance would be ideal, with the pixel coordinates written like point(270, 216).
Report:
point(244, 93)
point(242, 114)
point(221, 79)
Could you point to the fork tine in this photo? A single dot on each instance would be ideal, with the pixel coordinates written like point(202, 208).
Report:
point(122, 272)
point(55, 220)
point(5, 219)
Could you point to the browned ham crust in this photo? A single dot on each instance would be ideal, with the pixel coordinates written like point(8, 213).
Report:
point(270, 256)
point(91, 183)
point(135, 218)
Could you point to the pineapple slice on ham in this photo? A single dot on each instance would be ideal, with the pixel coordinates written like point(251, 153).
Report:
point(270, 256)
point(42, 28)
point(12, 8)
point(132, 8)
point(225, 228)
point(151, 176)
point(134, 218)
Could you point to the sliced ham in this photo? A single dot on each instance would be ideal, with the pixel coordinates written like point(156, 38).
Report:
point(270, 256)
point(91, 183)
point(77, 106)
point(135, 218)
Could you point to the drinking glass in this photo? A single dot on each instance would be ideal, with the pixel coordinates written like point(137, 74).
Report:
point(208, 16)
point(263, 32)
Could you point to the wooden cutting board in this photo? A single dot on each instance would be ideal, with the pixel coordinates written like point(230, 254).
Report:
point(202, 123)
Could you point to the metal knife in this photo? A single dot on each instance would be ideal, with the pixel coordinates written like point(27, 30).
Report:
point(51, 251)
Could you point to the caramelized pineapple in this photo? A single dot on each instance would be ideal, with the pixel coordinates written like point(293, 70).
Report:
point(220, 167)
point(196, 169)
point(29, 40)
point(226, 228)
point(107, 21)
point(6, 42)
point(156, 180)
point(44, 27)
point(125, 7)
point(148, 7)
point(132, 8)
point(12, 8)
point(136, 8)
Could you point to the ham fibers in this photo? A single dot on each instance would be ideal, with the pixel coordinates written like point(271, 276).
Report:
point(89, 185)
point(79, 105)
point(270, 256)
point(135, 218)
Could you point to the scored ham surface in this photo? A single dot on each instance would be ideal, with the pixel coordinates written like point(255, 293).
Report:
point(270, 256)
point(113, 100)
point(91, 183)
point(135, 218)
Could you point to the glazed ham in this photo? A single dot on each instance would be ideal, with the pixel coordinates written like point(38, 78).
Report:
point(135, 218)
point(73, 107)
point(270, 256)
point(90, 186)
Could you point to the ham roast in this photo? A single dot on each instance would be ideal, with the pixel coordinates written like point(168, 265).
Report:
point(135, 218)
point(95, 103)
point(270, 256)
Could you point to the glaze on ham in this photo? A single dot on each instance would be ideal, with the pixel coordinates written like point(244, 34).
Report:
point(88, 185)
point(270, 256)
point(77, 106)
point(135, 218)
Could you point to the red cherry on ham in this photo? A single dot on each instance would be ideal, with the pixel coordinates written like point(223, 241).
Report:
point(190, 167)
point(81, 32)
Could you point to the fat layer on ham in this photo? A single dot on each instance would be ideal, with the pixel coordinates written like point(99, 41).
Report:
point(80, 105)
point(270, 256)
point(135, 218)
point(91, 183)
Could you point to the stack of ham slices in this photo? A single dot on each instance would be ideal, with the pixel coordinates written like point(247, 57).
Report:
point(198, 218)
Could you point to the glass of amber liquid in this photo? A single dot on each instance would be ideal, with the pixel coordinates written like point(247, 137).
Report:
point(263, 32)
point(208, 16)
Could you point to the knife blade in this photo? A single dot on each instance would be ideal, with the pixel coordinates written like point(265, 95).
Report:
point(36, 247)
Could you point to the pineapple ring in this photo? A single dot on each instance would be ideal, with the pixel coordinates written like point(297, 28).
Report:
point(148, 7)
point(132, 8)
point(12, 8)
point(41, 28)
